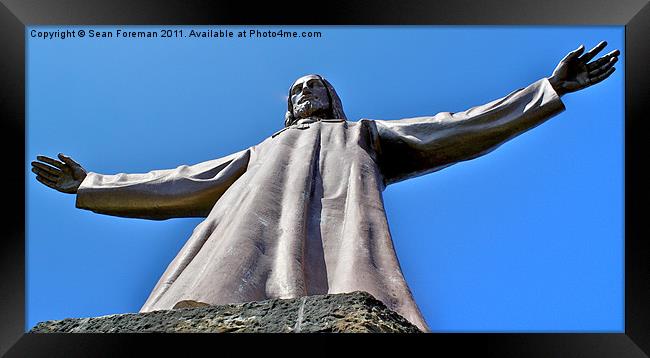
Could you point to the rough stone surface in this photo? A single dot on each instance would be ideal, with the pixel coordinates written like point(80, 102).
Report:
point(349, 312)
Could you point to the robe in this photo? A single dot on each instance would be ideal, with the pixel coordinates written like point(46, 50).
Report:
point(302, 212)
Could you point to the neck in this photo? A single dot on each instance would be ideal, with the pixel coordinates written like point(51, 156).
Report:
point(309, 119)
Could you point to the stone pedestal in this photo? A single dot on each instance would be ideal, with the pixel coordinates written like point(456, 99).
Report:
point(349, 312)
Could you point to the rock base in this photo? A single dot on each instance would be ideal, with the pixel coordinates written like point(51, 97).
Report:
point(356, 312)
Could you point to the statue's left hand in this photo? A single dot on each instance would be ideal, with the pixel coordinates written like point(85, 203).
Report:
point(575, 72)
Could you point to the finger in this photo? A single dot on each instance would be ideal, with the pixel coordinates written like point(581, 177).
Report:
point(47, 168)
point(45, 174)
point(68, 160)
point(593, 52)
point(46, 182)
point(50, 161)
point(602, 69)
point(601, 77)
point(575, 53)
point(603, 60)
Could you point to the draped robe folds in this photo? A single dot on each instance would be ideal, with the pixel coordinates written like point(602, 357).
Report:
point(302, 212)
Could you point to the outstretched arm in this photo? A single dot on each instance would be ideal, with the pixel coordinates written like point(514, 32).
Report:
point(186, 191)
point(416, 146)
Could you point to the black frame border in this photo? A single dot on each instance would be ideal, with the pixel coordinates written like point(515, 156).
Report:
point(16, 15)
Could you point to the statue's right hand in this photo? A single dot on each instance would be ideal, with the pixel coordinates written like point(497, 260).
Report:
point(65, 175)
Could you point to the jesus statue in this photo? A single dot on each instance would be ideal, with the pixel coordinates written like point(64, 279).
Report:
point(302, 213)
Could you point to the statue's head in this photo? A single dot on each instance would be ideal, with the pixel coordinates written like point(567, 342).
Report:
point(312, 96)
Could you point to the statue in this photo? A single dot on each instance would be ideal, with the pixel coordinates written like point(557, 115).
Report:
point(302, 213)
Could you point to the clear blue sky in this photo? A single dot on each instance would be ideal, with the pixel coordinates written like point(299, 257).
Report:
point(527, 238)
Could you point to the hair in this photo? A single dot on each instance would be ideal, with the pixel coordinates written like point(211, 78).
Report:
point(336, 106)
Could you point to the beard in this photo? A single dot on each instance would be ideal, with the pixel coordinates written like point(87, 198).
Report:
point(309, 109)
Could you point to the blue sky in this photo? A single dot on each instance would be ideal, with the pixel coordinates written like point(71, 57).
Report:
point(528, 238)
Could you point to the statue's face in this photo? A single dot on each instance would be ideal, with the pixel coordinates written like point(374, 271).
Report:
point(309, 97)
